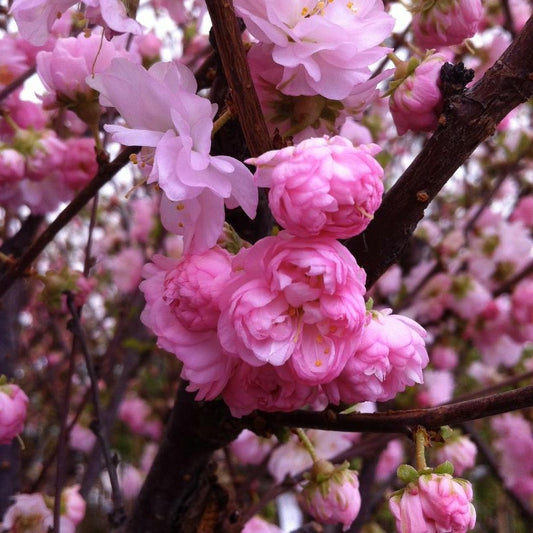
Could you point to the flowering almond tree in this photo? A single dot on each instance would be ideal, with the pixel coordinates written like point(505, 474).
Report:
point(274, 277)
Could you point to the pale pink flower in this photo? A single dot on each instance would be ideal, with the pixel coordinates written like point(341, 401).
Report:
point(174, 127)
point(514, 442)
point(523, 212)
point(332, 494)
point(28, 513)
point(437, 389)
point(294, 300)
point(267, 387)
point(522, 311)
point(434, 502)
point(469, 297)
point(389, 460)
point(143, 211)
point(292, 457)
point(390, 357)
point(433, 298)
point(65, 68)
point(135, 413)
point(356, 132)
point(324, 47)
point(304, 116)
point(11, 174)
point(13, 405)
point(126, 269)
point(416, 99)
point(460, 451)
point(258, 525)
point(437, 24)
point(82, 438)
point(131, 481)
point(251, 449)
point(73, 505)
point(444, 357)
point(170, 312)
point(80, 166)
point(35, 18)
point(322, 186)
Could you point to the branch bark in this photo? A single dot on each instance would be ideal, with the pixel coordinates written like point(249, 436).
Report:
point(470, 118)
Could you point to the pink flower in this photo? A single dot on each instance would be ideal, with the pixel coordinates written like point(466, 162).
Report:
point(460, 451)
point(523, 212)
point(267, 387)
point(437, 24)
point(65, 68)
point(444, 357)
point(82, 439)
point(522, 311)
point(135, 413)
point(73, 505)
point(438, 388)
point(322, 186)
point(389, 460)
point(80, 166)
point(258, 525)
point(324, 47)
point(170, 312)
point(434, 502)
point(251, 449)
point(416, 100)
point(13, 405)
point(332, 494)
point(389, 358)
point(126, 269)
point(294, 300)
point(28, 513)
point(35, 18)
point(175, 128)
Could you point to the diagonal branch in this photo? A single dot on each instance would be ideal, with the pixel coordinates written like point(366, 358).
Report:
point(469, 119)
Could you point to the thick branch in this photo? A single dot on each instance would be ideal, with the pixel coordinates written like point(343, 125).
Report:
point(106, 172)
point(233, 57)
point(470, 118)
point(398, 421)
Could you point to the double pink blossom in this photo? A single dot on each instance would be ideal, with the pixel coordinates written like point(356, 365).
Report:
point(434, 502)
point(322, 186)
point(182, 311)
point(390, 357)
point(324, 47)
point(294, 300)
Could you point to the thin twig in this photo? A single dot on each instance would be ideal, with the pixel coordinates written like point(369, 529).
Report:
point(16, 83)
point(118, 515)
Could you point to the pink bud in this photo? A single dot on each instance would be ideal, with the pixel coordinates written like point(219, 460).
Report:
point(446, 23)
point(332, 495)
point(13, 404)
point(416, 100)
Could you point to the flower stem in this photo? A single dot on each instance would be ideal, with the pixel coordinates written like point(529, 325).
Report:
point(304, 439)
point(226, 116)
point(420, 443)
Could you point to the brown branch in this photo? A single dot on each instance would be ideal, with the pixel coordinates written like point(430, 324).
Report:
point(469, 118)
point(233, 57)
point(398, 421)
point(105, 173)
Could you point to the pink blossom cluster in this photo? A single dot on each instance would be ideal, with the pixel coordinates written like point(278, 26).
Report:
point(278, 325)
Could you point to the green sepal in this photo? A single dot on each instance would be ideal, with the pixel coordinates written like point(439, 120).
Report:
point(407, 473)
